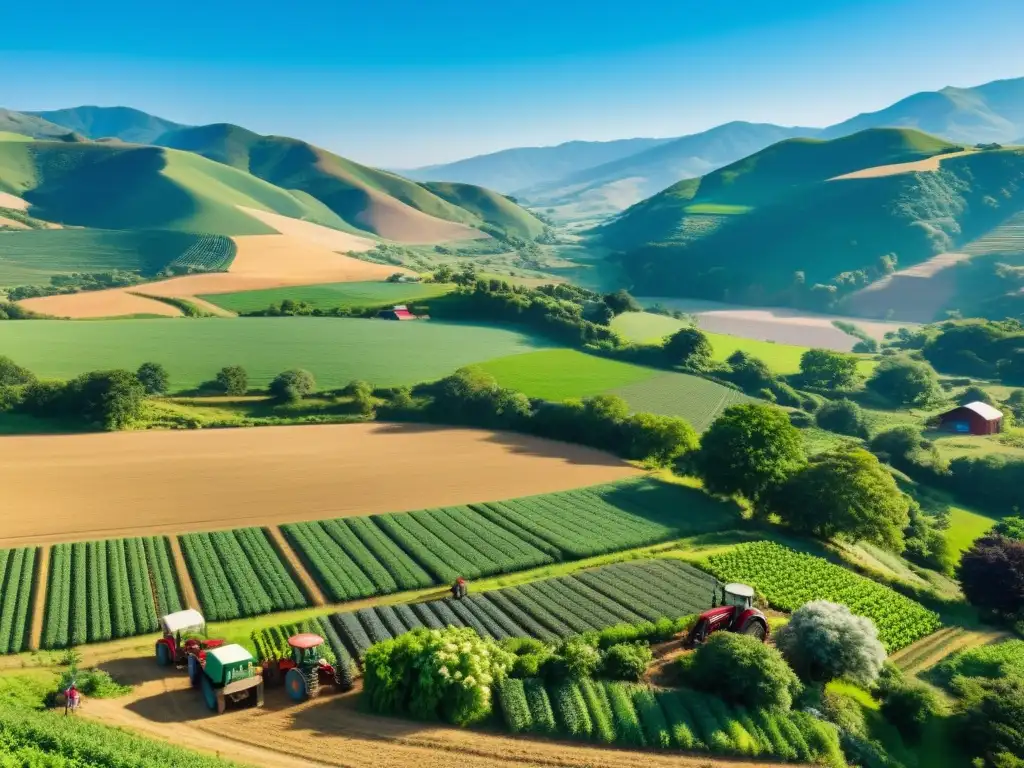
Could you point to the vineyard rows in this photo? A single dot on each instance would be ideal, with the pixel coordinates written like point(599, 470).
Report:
point(631, 715)
point(210, 253)
point(354, 558)
point(547, 610)
point(101, 590)
point(17, 567)
point(239, 573)
point(789, 579)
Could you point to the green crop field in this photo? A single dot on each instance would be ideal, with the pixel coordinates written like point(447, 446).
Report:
point(335, 350)
point(697, 400)
point(559, 374)
point(330, 295)
point(17, 567)
point(33, 256)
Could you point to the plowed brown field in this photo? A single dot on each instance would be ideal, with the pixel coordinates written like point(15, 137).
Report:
point(73, 487)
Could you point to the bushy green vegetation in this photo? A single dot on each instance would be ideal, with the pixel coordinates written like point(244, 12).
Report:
point(790, 579)
point(982, 348)
point(824, 641)
point(101, 590)
point(330, 295)
point(743, 670)
point(17, 568)
point(698, 400)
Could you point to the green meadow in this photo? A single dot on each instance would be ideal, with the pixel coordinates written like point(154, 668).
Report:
point(330, 295)
point(560, 374)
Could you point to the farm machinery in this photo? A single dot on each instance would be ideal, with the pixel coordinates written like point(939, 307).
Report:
point(735, 613)
point(306, 673)
point(226, 673)
point(179, 644)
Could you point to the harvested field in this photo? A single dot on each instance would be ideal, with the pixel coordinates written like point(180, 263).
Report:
point(91, 304)
point(781, 325)
point(928, 165)
point(7, 200)
point(316, 234)
point(174, 482)
point(12, 223)
point(915, 294)
point(394, 220)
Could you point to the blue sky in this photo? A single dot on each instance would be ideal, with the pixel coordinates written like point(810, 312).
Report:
point(400, 83)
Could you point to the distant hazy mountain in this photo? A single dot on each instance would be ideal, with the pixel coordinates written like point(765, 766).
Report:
point(30, 125)
point(609, 187)
point(515, 169)
point(985, 113)
point(123, 123)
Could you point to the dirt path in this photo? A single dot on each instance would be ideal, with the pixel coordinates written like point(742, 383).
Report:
point(929, 651)
point(331, 731)
point(188, 590)
point(179, 481)
point(39, 598)
point(309, 585)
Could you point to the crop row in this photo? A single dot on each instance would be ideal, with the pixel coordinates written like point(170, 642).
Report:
point(210, 253)
point(637, 716)
point(548, 609)
point(239, 573)
point(788, 579)
point(17, 567)
point(101, 590)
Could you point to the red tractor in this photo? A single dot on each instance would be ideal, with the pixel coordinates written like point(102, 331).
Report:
point(305, 673)
point(736, 613)
point(176, 646)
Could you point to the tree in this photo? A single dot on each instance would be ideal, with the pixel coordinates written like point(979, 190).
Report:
point(362, 396)
point(621, 301)
point(904, 381)
point(661, 439)
point(991, 574)
point(904, 446)
point(292, 385)
point(12, 374)
point(992, 718)
point(845, 493)
point(823, 641)
point(828, 369)
point(154, 378)
point(232, 380)
point(975, 394)
point(744, 670)
point(108, 399)
point(749, 373)
point(1011, 527)
point(750, 449)
point(688, 347)
point(844, 417)
point(910, 708)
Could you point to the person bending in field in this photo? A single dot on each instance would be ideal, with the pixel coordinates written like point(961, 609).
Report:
point(459, 589)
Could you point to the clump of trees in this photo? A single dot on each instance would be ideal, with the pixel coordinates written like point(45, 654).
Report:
point(743, 670)
point(823, 641)
point(291, 386)
point(904, 381)
point(825, 369)
point(844, 417)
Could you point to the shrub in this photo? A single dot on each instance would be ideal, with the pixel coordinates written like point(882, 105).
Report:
point(626, 661)
point(904, 381)
point(688, 347)
point(292, 385)
point(844, 417)
point(909, 708)
point(108, 399)
point(232, 380)
point(744, 670)
point(828, 369)
point(661, 439)
point(530, 664)
point(994, 560)
point(154, 378)
point(824, 640)
point(573, 659)
point(12, 374)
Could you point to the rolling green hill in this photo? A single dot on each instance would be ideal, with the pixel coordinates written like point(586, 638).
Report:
point(490, 207)
point(121, 186)
point(123, 123)
point(366, 198)
point(743, 232)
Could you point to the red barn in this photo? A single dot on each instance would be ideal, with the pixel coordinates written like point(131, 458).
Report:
point(975, 418)
point(397, 312)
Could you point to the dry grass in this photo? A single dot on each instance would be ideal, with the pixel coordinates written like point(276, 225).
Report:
point(141, 483)
point(7, 200)
point(928, 165)
point(315, 234)
point(916, 294)
point(90, 304)
point(12, 223)
point(394, 220)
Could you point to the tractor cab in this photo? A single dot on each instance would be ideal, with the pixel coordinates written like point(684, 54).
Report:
point(182, 637)
point(735, 613)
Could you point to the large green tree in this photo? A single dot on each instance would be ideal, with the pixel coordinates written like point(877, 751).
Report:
point(904, 381)
point(825, 368)
point(688, 347)
point(991, 575)
point(108, 399)
point(12, 374)
point(751, 449)
point(154, 378)
point(845, 493)
point(293, 385)
point(824, 640)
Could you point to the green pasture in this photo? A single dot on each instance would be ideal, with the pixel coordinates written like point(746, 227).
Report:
point(697, 400)
point(965, 526)
point(193, 350)
point(330, 295)
point(717, 209)
point(560, 374)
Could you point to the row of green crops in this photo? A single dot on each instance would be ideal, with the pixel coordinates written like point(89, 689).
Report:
point(272, 644)
point(101, 590)
point(239, 573)
point(354, 558)
point(549, 609)
point(636, 716)
point(788, 579)
point(17, 567)
point(210, 253)
point(1005, 659)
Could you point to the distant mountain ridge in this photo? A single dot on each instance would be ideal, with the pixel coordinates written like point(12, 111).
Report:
point(125, 123)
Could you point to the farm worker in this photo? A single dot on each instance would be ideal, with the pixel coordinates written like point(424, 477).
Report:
point(459, 589)
point(70, 699)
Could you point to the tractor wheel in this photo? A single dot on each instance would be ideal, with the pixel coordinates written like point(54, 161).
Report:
point(295, 685)
point(195, 671)
point(209, 695)
point(755, 629)
point(163, 655)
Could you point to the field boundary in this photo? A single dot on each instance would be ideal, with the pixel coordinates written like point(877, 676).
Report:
point(295, 565)
point(188, 590)
point(39, 597)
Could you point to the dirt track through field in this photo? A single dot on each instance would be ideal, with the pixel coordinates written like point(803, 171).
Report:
point(331, 731)
point(39, 598)
point(76, 487)
point(309, 585)
point(189, 598)
point(928, 165)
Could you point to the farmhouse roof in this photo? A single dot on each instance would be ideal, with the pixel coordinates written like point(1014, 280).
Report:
point(986, 411)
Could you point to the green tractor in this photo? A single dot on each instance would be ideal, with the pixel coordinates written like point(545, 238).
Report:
point(226, 673)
